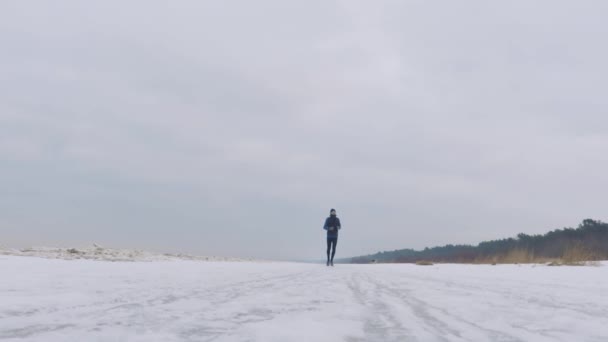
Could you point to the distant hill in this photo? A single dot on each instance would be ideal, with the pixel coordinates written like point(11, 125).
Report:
point(587, 242)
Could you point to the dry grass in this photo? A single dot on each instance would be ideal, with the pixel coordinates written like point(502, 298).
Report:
point(424, 263)
point(578, 263)
point(517, 256)
point(577, 255)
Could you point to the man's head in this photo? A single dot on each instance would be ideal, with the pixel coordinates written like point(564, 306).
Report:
point(332, 212)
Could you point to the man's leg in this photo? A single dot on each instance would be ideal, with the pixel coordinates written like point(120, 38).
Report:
point(328, 247)
point(333, 250)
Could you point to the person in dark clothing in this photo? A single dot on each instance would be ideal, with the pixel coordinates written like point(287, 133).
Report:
point(332, 225)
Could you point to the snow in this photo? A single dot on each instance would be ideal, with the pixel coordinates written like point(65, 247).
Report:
point(45, 299)
point(96, 252)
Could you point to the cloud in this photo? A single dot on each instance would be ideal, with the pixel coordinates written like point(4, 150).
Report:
point(231, 128)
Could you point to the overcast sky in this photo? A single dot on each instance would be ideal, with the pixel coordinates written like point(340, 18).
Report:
point(232, 127)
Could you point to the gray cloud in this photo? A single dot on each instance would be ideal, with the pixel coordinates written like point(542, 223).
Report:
point(232, 128)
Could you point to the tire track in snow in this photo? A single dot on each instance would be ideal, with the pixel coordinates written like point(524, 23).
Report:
point(143, 310)
point(535, 299)
point(300, 302)
point(437, 319)
point(217, 324)
point(380, 323)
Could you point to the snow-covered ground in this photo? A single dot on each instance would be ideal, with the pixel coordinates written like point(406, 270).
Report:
point(86, 300)
point(96, 252)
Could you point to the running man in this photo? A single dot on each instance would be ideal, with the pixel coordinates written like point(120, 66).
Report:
point(332, 225)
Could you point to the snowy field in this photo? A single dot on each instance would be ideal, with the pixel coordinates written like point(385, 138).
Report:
point(96, 252)
point(87, 300)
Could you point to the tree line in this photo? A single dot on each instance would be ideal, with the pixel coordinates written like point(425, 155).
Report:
point(589, 241)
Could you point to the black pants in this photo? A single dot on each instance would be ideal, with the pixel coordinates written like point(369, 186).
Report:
point(331, 244)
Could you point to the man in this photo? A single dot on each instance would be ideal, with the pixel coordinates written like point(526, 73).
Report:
point(332, 225)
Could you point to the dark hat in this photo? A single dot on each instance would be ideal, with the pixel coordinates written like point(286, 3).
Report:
point(332, 211)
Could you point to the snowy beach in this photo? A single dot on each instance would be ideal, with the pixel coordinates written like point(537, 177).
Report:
point(86, 300)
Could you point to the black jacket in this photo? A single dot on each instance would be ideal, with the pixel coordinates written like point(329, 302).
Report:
point(332, 222)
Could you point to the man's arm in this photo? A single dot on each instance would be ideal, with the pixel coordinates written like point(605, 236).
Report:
point(339, 224)
point(325, 225)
